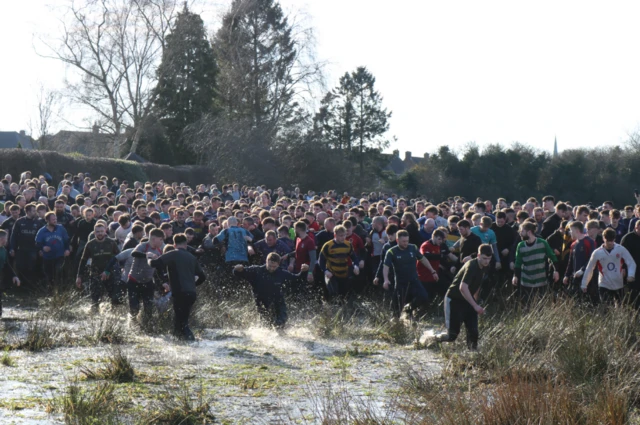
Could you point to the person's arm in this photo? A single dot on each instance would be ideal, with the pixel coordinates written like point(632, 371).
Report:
point(568, 274)
point(13, 241)
point(496, 253)
point(312, 259)
point(427, 264)
point(202, 277)
point(86, 254)
point(65, 239)
point(158, 263)
point(464, 290)
point(40, 239)
point(588, 273)
point(631, 265)
point(323, 259)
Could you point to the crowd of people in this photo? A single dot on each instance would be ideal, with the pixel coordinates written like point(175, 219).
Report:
point(145, 243)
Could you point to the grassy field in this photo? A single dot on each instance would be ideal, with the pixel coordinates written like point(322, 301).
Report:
point(557, 363)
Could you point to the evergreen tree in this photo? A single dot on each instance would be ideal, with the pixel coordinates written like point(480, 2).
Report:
point(353, 119)
point(186, 80)
point(258, 58)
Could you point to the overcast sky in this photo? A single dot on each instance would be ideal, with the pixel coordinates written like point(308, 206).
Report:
point(451, 72)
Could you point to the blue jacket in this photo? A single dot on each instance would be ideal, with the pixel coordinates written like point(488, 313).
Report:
point(58, 241)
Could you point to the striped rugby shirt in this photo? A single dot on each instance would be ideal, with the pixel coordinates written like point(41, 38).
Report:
point(531, 262)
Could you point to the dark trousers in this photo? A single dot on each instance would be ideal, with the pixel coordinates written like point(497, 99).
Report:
point(278, 317)
point(412, 293)
point(98, 288)
point(610, 296)
point(458, 312)
point(53, 271)
point(140, 291)
point(26, 265)
point(529, 295)
point(182, 304)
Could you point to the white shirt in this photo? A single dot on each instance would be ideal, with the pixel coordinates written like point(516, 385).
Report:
point(609, 265)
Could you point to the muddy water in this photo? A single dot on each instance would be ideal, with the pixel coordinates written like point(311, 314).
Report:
point(250, 374)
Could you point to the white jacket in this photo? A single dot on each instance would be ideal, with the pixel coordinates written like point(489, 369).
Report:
point(610, 267)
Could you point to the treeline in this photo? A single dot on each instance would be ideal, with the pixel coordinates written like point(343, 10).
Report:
point(520, 171)
point(241, 100)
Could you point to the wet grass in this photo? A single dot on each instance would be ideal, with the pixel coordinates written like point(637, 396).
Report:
point(41, 335)
point(180, 406)
point(118, 369)
point(6, 359)
point(91, 405)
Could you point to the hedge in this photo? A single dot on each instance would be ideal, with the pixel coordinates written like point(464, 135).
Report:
point(17, 161)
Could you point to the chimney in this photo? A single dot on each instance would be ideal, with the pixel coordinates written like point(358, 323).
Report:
point(23, 133)
point(396, 153)
point(96, 129)
point(407, 156)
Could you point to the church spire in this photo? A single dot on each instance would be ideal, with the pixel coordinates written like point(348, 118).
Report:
point(555, 147)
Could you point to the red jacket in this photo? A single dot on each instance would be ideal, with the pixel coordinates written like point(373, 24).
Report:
point(431, 253)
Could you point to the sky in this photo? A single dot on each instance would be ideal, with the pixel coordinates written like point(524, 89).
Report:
point(450, 72)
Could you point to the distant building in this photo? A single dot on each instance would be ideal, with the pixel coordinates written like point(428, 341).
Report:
point(398, 165)
point(555, 147)
point(14, 139)
point(89, 143)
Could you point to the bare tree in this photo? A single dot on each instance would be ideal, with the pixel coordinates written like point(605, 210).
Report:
point(48, 104)
point(115, 47)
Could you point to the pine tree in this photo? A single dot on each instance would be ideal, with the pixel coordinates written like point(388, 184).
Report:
point(258, 58)
point(353, 119)
point(186, 80)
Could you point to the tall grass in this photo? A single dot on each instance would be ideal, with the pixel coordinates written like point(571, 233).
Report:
point(90, 405)
point(557, 363)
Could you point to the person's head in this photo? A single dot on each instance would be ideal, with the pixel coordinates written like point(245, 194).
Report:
point(232, 221)
point(538, 214)
point(615, 218)
point(437, 237)
point(378, 223)
point(3, 238)
point(563, 210)
point(402, 237)
point(485, 223)
point(330, 224)
point(30, 210)
point(528, 230)
point(156, 238)
point(453, 223)
point(607, 205)
point(582, 214)
point(501, 218)
point(485, 253)
point(59, 207)
point(340, 233)
point(273, 262)
point(577, 229)
point(137, 231)
point(100, 231)
point(548, 203)
point(609, 236)
point(283, 232)
point(392, 230)
point(301, 229)
point(593, 228)
point(464, 227)
point(88, 214)
point(51, 219)
point(271, 238)
point(637, 228)
point(180, 241)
